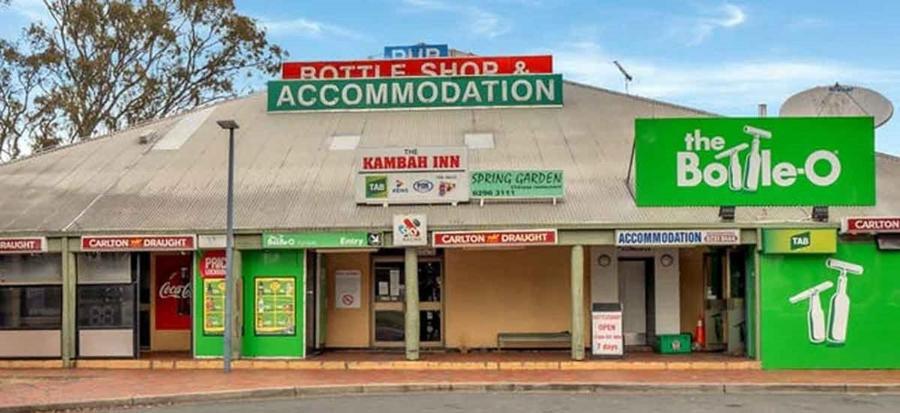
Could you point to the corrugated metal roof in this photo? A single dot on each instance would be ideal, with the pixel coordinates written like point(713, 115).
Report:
point(287, 178)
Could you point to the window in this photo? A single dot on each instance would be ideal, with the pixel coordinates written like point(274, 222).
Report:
point(106, 306)
point(31, 308)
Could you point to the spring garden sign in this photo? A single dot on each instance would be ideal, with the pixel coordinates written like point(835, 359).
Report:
point(755, 161)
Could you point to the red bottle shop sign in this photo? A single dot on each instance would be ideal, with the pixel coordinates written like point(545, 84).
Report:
point(871, 225)
point(510, 238)
point(173, 292)
point(439, 66)
point(23, 245)
point(212, 264)
point(139, 243)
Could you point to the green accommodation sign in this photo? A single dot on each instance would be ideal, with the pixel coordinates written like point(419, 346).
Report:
point(415, 92)
point(755, 161)
point(531, 184)
point(321, 240)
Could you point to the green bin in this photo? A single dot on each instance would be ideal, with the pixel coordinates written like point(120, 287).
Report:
point(673, 343)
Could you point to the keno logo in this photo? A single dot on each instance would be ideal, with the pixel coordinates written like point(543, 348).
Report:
point(750, 170)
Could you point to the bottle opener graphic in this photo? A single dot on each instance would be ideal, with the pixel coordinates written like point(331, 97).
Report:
point(754, 158)
point(839, 312)
point(736, 182)
point(816, 317)
point(839, 308)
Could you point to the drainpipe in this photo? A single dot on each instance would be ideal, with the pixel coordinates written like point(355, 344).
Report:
point(411, 270)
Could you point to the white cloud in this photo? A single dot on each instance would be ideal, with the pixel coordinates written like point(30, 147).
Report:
point(301, 26)
point(697, 29)
point(33, 10)
point(734, 87)
point(478, 20)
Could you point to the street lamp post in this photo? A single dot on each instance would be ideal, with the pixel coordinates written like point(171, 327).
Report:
point(231, 125)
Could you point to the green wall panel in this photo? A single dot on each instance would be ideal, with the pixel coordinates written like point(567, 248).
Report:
point(871, 338)
point(268, 275)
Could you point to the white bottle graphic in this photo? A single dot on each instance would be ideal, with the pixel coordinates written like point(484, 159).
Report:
point(815, 315)
point(754, 158)
point(735, 178)
point(839, 312)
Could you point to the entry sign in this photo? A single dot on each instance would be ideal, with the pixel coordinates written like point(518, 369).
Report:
point(799, 241)
point(442, 66)
point(410, 230)
point(416, 50)
point(677, 237)
point(755, 161)
point(317, 240)
point(871, 225)
point(23, 245)
point(606, 330)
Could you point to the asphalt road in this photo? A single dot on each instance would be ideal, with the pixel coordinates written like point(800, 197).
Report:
point(552, 403)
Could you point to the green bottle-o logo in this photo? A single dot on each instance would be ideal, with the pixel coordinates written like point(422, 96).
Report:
point(376, 186)
point(799, 241)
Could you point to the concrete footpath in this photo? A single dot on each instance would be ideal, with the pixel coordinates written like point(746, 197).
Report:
point(58, 389)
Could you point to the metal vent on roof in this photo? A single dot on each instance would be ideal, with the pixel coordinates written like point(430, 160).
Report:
point(480, 140)
point(182, 131)
point(344, 142)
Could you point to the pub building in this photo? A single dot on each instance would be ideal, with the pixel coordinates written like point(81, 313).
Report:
point(526, 211)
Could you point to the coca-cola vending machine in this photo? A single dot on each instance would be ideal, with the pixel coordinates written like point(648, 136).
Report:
point(173, 292)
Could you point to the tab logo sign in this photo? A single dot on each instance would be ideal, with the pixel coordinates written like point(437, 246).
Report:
point(799, 241)
point(23, 245)
point(755, 161)
point(445, 66)
point(139, 243)
point(391, 93)
point(416, 50)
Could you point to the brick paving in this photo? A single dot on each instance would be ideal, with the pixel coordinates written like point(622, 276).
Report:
point(47, 386)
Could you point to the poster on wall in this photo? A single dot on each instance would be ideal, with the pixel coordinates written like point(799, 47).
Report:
point(173, 292)
point(347, 287)
point(213, 306)
point(606, 330)
point(831, 311)
point(410, 230)
point(772, 161)
point(275, 305)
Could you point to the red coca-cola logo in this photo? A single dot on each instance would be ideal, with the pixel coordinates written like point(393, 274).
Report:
point(175, 288)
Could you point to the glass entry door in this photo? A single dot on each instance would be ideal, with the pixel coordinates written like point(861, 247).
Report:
point(389, 295)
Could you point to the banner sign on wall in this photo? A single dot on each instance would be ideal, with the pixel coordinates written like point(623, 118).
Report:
point(447, 66)
point(212, 264)
point(677, 237)
point(138, 243)
point(415, 93)
point(23, 245)
point(173, 292)
point(506, 238)
point(347, 288)
point(428, 158)
point(412, 188)
point(416, 50)
point(755, 161)
point(532, 184)
point(410, 230)
point(871, 225)
point(357, 239)
point(799, 241)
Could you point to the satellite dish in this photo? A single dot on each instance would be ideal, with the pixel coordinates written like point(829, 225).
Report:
point(839, 100)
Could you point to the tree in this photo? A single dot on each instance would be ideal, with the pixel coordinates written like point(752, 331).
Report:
point(102, 65)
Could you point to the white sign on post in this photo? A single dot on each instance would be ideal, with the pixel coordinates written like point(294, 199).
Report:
point(410, 230)
point(347, 286)
point(606, 328)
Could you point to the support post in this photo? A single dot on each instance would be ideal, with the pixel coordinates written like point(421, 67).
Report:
point(411, 270)
point(237, 307)
point(229, 259)
point(577, 285)
point(70, 280)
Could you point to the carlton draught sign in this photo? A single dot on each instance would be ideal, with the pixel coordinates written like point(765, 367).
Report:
point(755, 161)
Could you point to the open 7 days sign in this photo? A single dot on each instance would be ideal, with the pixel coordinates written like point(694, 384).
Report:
point(755, 161)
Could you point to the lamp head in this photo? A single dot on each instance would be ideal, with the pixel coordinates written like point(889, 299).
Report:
point(229, 124)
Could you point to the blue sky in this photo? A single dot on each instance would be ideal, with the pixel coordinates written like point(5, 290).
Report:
point(720, 56)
